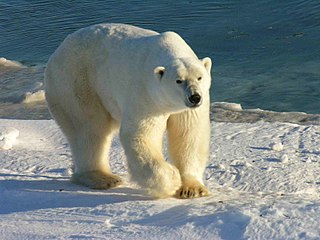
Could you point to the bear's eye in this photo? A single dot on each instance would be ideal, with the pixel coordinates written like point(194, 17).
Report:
point(179, 81)
point(199, 78)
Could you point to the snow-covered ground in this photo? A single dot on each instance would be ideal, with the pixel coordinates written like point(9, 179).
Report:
point(264, 179)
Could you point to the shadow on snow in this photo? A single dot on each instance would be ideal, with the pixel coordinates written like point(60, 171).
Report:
point(28, 195)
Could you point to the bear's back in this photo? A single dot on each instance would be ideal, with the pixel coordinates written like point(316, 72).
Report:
point(123, 36)
point(109, 31)
point(121, 31)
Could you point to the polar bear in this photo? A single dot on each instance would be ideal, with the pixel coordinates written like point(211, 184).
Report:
point(108, 77)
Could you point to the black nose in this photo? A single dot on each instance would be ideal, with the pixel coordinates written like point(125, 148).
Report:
point(195, 98)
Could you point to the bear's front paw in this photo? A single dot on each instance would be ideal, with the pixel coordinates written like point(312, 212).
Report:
point(164, 182)
point(191, 189)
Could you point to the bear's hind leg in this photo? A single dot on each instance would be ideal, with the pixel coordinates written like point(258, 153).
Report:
point(90, 139)
point(97, 179)
point(90, 155)
point(91, 162)
point(79, 112)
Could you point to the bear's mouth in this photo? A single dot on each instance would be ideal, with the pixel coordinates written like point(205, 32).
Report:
point(192, 105)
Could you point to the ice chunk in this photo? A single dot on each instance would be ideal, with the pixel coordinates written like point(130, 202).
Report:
point(8, 136)
point(276, 146)
point(284, 158)
point(38, 96)
point(221, 166)
point(228, 106)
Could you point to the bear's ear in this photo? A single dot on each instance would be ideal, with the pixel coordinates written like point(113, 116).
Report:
point(159, 71)
point(207, 63)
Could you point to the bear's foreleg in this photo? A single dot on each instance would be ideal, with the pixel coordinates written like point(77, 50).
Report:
point(188, 137)
point(142, 141)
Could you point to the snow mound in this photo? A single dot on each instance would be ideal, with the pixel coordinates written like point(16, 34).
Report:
point(8, 136)
point(9, 63)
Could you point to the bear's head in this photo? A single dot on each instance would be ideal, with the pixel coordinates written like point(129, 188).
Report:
point(183, 83)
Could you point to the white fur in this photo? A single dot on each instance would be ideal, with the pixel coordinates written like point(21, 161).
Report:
point(113, 75)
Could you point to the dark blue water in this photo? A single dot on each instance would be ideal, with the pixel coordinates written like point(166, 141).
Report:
point(266, 54)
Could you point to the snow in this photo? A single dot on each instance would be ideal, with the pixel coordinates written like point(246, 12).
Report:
point(256, 192)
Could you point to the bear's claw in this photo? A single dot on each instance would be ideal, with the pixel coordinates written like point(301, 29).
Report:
point(192, 191)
